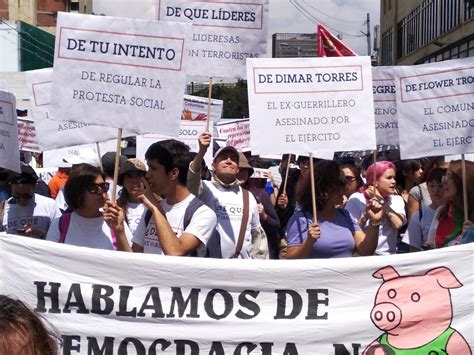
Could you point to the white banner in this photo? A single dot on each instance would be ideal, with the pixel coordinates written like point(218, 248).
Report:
point(225, 33)
point(193, 123)
point(315, 105)
point(435, 104)
point(54, 157)
point(125, 303)
point(27, 138)
point(54, 134)
point(385, 105)
point(9, 147)
point(235, 132)
point(120, 72)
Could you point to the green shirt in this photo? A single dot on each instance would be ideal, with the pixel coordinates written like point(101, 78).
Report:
point(435, 347)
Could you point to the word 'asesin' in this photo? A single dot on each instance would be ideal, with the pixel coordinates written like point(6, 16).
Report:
point(119, 49)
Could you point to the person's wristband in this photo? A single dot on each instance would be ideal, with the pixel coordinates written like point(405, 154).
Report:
point(375, 224)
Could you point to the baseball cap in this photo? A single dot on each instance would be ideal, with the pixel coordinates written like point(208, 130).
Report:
point(108, 162)
point(226, 149)
point(130, 166)
point(85, 156)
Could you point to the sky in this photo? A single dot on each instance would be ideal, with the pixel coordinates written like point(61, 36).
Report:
point(346, 16)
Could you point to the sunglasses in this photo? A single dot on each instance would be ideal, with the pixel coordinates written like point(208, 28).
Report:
point(350, 178)
point(22, 196)
point(94, 188)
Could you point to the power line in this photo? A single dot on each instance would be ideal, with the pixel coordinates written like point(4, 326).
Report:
point(334, 18)
point(23, 33)
point(49, 61)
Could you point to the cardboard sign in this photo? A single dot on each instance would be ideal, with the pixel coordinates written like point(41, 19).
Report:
point(193, 123)
point(318, 105)
point(9, 147)
point(435, 104)
point(27, 138)
point(236, 133)
point(225, 33)
point(385, 105)
point(129, 303)
point(55, 134)
point(119, 72)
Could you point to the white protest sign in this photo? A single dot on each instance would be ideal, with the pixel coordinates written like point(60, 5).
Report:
point(236, 132)
point(54, 158)
point(119, 72)
point(318, 105)
point(46, 174)
point(385, 105)
point(54, 134)
point(193, 123)
point(435, 104)
point(27, 138)
point(225, 33)
point(9, 147)
point(129, 303)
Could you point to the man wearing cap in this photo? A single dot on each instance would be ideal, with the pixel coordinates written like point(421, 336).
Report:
point(180, 224)
point(27, 213)
point(225, 196)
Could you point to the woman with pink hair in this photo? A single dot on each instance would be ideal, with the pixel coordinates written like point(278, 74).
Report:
point(383, 187)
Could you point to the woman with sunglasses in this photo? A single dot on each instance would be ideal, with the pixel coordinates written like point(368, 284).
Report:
point(381, 187)
point(336, 234)
point(26, 213)
point(448, 223)
point(353, 180)
point(91, 219)
point(419, 225)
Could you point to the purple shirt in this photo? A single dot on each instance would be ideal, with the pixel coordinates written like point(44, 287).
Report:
point(336, 240)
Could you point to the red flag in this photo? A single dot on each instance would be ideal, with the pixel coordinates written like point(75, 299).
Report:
point(330, 46)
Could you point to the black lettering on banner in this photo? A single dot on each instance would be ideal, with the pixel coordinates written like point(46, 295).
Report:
point(340, 349)
point(76, 292)
point(139, 347)
point(124, 293)
point(154, 295)
point(290, 349)
point(68, 346)
point(266, 348)
point(181, 347)
point(177, 299)
point(314, 302)
point(250, 347)
point(249, 304)
point(209, 303)
point(98, 296)
point(164, 345)
point(107, 347)
point(281, 304)
point(216, 348)
point(41, 295)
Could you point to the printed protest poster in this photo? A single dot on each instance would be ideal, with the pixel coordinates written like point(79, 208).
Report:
point(225, 33)
point(435, 104)
point(234, 132)
point(385, 105)
point(55, 157)
point(133, 303)
point(318, 105)
point(9, 147)
point(27, 135)
point(193, 123)
point(120, 72)
point(55, 134)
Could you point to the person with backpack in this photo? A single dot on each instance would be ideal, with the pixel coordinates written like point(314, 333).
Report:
point(238, 233)
point(91, 220)
point(179, 224)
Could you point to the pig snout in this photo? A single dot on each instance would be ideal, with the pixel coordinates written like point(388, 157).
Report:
point(386, 316)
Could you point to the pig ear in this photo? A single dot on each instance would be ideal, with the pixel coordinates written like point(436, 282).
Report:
point(445, 277)
point(386, 273)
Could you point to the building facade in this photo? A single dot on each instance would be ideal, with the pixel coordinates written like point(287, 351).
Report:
point(292, 45)
point(425, 31)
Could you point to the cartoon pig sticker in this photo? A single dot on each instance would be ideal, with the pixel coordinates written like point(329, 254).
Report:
point(415, 313)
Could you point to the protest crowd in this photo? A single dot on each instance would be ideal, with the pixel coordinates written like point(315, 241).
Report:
point(228, 201)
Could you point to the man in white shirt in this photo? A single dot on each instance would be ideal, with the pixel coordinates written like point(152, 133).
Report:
point(179, 224)
point(27, 213)
point(224, 195)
